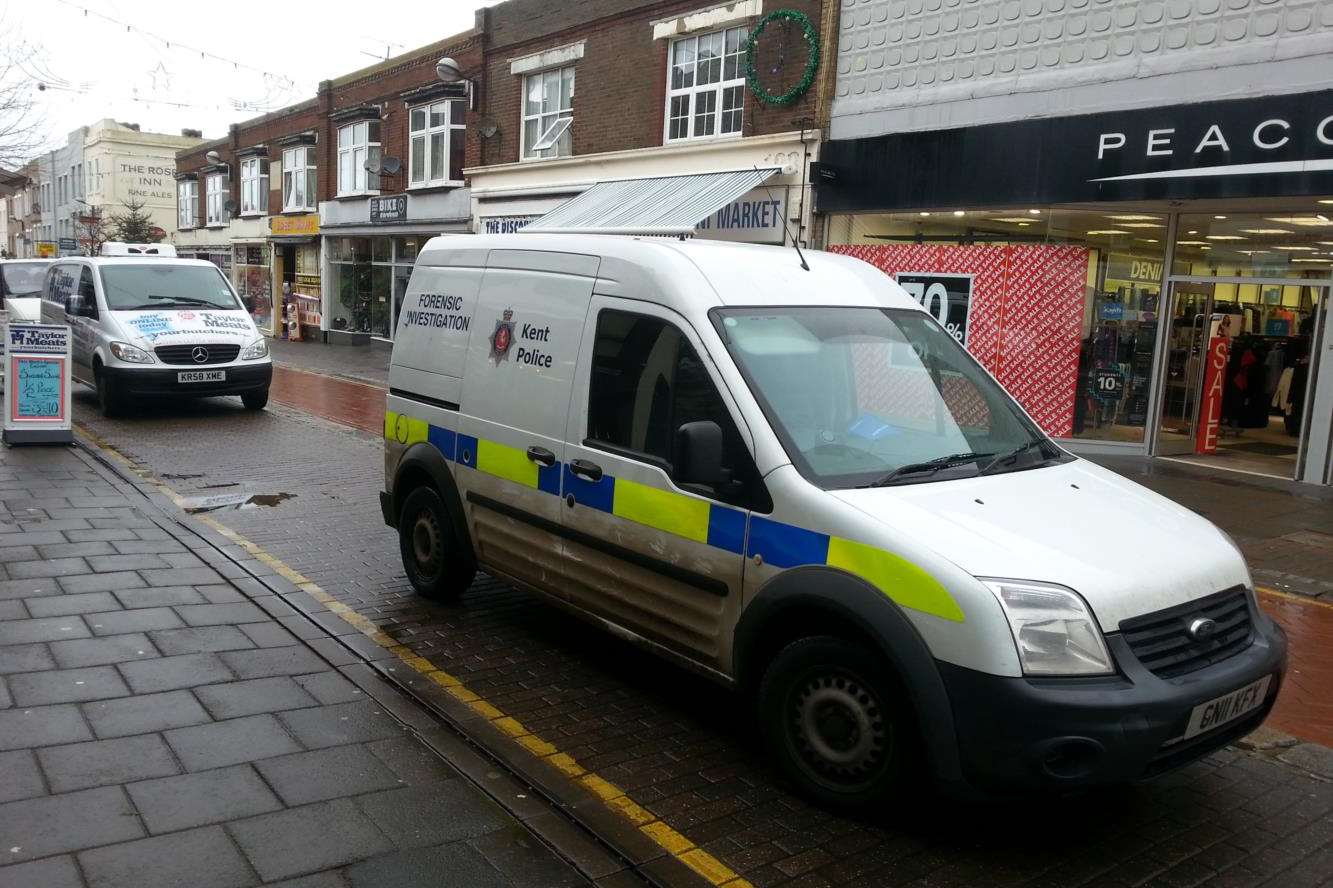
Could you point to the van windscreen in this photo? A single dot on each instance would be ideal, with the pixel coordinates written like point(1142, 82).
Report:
point(868, 397)
point(163, 285)
point(24, 278)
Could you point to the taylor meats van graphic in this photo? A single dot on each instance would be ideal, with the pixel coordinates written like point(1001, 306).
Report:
point(164, 326)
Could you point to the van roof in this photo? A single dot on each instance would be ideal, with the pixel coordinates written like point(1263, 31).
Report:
point(670, 269)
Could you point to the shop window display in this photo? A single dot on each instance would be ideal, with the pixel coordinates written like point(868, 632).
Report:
point(1062, 306)
point(252, 277)
point(370, 277)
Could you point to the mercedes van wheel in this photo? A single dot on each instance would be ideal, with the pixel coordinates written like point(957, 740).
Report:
point(836, 725)
point(436, 566)
point(255, 400)
point(109, 398)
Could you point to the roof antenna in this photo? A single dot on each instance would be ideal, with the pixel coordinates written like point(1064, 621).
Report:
point(794, 241)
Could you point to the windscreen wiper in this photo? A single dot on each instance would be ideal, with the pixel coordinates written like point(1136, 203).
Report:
point(182, 300)
point(928, 468)
point(1005, 458)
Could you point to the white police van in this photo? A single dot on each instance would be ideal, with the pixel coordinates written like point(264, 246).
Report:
point(146, 325)
point(798, 483)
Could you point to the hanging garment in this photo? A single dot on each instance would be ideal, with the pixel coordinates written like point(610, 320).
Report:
point(1282, 394)
point(1273, 364)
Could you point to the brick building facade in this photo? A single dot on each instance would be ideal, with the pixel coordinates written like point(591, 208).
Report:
point(398, 155)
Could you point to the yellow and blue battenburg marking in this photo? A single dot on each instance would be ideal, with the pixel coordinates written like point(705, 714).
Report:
point(778, 544)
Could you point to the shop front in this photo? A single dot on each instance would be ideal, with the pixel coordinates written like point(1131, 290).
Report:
point(296, 272)
point(1151, 281)
point(368, 248)
point(508, 197)
point(241, 250)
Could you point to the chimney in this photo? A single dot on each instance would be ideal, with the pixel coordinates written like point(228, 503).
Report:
point(192, 133)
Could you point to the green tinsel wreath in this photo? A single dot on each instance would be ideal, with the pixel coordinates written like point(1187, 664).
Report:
point(812, 64)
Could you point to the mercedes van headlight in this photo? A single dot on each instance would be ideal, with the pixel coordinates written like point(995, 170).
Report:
point(1053, 629)
point(130, 354)
point(255, 350)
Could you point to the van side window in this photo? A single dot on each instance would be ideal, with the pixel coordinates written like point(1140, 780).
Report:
point(88, 290)
point(646, 383)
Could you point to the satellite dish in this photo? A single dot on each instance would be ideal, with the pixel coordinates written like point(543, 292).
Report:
point(229, 206)
point(488, 128)
point(213, 157)
point(373, 165)
point(391, 165)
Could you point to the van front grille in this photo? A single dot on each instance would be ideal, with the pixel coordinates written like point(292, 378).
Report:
point(214, 353)
point(1163, 644)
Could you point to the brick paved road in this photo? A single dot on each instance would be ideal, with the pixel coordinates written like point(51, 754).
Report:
point(159, 728)
point(685, 749)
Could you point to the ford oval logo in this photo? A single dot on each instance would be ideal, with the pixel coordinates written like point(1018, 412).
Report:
point(1201, 629)
point(200, 354)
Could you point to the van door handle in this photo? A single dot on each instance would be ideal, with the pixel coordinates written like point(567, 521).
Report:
point(584, 469)
point(541, 456)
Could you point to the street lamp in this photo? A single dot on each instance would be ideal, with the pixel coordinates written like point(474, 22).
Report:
point(447, 70)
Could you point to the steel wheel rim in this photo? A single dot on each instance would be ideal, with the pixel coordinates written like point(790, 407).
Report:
point(426, 543)
point(839, 729)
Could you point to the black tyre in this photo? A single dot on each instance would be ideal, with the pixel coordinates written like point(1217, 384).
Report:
point(437, 565)
point(109, 397)
point(837, 723)
point(256, 400)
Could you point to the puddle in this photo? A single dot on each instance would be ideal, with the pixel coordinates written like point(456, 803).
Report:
point(218, 502)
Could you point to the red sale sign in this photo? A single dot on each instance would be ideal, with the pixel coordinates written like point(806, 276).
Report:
point(1210, 405)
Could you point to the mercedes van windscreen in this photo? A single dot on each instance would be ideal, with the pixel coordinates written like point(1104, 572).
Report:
point(164, 286)
point(871, 397)
point(24, 279)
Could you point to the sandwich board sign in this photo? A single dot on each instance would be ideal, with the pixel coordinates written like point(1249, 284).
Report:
point(37, 384)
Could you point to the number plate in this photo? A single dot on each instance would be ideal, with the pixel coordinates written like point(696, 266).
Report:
point(1227, 708)
point(202, 376)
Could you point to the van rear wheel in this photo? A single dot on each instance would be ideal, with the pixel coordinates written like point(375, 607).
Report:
point(836, 723)
point(435, 563)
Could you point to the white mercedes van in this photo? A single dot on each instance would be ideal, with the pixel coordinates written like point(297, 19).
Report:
point(146, 325)
point(799, 484)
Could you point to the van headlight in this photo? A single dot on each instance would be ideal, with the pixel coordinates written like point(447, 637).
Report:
point(1053, 629)
point(255, 350)
point(131, 355)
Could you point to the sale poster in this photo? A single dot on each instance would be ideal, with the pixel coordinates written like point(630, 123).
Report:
point(1210, 406)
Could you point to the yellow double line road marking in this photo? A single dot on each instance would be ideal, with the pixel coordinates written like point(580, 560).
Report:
point(615, 798)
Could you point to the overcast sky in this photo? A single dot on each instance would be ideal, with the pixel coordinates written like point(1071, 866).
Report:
point(95, 68)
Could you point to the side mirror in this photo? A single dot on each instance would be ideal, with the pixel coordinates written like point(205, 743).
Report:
point(87, 308)
point(249, 303)
point(699, 454)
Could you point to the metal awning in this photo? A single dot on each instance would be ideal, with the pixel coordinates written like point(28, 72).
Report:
point(664, 205)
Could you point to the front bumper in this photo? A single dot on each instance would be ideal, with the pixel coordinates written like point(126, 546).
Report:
point(1023, 733)
point(154, 381)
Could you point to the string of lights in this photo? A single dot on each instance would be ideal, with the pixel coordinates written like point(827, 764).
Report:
point(176, 45)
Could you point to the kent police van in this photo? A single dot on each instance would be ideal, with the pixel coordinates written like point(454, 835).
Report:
point(145, 325)
point(798, 483)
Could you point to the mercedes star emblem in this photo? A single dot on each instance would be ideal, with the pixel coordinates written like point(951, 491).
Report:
point(200, 354)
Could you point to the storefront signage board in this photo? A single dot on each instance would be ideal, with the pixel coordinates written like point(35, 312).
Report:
point(392, 208)
point(37, 384)
point(1274, 146)
point(946, 296)
point(46, 250)
point(305, 225)
point(504, 224)
point(754, 218)
point(1210, 405)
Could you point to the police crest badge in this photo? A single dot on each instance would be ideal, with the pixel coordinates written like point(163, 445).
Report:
point(503, 337)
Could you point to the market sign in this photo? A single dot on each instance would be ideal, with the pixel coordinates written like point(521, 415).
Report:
point(37, 384)
point(946, 296)
point(1275, 146)
point(388, 209)
point(304, 225)
point(755, 218)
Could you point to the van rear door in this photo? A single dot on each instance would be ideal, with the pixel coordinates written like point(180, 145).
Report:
point(519, 374)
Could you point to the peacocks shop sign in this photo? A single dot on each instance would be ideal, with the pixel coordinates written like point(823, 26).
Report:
point(1276, 146)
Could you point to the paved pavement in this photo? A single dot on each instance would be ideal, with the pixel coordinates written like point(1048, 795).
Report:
point(166, 720)
point(368, 363)
point(681, 750)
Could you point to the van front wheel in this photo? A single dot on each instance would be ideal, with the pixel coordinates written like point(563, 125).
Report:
point(109, 397)
point(255, 400)
point(434, 563)
point(836, 724)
